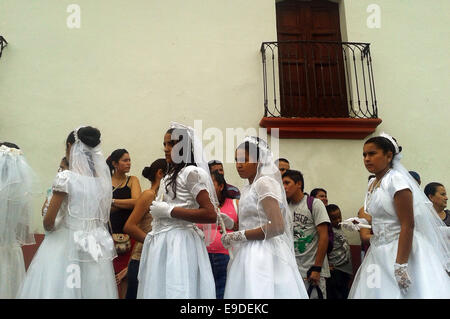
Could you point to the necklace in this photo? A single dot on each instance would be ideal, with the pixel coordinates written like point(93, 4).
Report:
point(121, 182)
point(375, 184)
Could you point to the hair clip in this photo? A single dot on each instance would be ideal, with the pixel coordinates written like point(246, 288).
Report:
point(75, 134)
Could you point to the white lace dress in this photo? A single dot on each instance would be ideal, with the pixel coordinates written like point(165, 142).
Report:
point(174, 262)
point(375, 278)
point(262, 269)
point(12, 269)
point(52, 274)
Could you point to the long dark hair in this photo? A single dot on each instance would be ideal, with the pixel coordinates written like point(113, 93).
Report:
point(115, 157)
point(185, 157)
point(220, 180)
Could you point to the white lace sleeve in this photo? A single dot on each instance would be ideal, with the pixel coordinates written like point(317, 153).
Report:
point(268, 187)
point(196, 181)
point(269, 200)
point(61, 182)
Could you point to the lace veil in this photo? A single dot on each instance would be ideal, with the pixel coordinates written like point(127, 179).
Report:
point(16, 183)
point(192, 141)
point(275, 221)
point(89, 203)
point(426, 220)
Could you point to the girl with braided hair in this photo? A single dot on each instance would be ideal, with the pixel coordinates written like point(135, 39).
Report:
point(174, 261)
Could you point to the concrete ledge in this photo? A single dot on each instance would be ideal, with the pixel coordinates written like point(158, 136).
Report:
point(321, 128)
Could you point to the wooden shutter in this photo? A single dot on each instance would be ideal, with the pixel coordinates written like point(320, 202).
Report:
point(311, 74)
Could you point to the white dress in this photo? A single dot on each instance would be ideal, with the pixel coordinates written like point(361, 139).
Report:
point(261, 269)
point(174, 261)
point(52, 274)
point(12, 265)
point(375, 278)
point(16, 210)
point(12, 269)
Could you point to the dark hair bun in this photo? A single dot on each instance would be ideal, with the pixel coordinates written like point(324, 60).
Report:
point(89, 136)
point(147, 172)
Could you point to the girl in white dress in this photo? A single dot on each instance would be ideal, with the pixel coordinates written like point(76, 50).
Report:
point(15, 217)
point(75, 258)
point(174, 261)
point(408, 255)
point(264, 263)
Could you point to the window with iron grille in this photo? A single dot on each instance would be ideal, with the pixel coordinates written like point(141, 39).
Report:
point(313, 78)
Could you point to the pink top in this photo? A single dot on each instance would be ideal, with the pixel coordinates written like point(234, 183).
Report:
point(216, 247)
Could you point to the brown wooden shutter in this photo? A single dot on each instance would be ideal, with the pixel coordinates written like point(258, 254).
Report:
point(312, 78)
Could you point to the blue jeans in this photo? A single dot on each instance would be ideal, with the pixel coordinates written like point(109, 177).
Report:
point(219, 263)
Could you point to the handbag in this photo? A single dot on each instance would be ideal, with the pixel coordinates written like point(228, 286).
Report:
point(122, 243)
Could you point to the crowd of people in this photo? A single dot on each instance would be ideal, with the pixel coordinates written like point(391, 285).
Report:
point(193, 235)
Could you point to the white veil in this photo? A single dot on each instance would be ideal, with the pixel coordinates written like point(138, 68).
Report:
point(209, 230)
point(268, 183)
point(426, 220)
point(16, 180)
point(89, 203)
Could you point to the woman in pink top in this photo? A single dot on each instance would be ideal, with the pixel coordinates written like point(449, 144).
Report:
point(218, 255)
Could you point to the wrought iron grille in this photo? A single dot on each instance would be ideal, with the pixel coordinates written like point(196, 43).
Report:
point(3, 44)
point(318, 79)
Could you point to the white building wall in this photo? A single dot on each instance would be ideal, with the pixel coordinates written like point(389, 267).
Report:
point(132, 67)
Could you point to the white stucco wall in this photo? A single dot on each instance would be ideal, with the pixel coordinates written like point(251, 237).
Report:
point(132, 67)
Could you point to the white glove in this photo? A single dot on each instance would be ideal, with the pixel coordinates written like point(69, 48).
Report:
point(227, 220)
point(161, 210)
point(230, 239)
point(355, 224)
point(402, 277)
